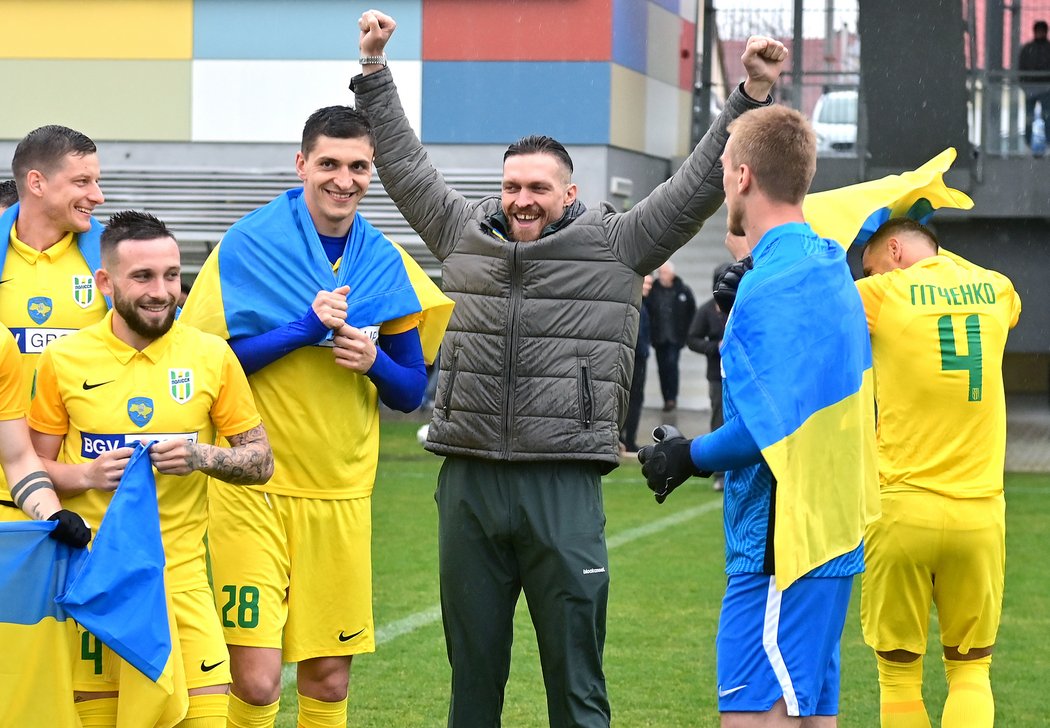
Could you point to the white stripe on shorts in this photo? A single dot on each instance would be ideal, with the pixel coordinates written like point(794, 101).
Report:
point(770, 627)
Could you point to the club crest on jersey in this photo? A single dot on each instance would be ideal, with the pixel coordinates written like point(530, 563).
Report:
point(180, 384)
point(140, 410)
point(84, 290)
point(39, 308)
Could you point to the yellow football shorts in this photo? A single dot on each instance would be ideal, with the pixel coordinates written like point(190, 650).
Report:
point(926, 547)
point(292, 573)
point(205, 658)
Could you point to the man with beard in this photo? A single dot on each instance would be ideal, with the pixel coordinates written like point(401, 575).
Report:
point(535, 376)
point(139, 375)
point(49, 249)
point(797, 444)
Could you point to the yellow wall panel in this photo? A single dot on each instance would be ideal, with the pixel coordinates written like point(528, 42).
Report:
point(126, 100)
point(627, 109)
point(104, 29)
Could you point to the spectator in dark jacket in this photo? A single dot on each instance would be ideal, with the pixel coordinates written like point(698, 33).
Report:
point(1034, 64)
point(629, 435)
point(705, 337)
point(671, 307)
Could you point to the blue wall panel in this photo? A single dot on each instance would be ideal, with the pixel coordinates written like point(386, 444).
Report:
point(673, 5)
point(300, 30)
point(629, 22)
point(498, 102)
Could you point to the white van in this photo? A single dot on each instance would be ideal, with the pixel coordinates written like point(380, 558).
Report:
point(835, 122)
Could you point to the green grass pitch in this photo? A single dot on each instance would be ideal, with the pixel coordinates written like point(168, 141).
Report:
point(667, 581)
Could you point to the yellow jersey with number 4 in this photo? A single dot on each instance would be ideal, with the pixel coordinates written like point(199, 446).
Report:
point(938, 332)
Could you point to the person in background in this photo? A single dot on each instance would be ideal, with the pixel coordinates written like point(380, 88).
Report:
point(1034, 65)
point(705, 337)
point(8, 194)
point(629, 434)
point(671, 308)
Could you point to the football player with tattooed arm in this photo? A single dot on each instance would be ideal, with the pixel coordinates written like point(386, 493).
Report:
point(140, 375)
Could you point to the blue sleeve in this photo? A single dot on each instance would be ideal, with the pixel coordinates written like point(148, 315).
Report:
point(399, 372)
point(255, 352)
point(728, 448)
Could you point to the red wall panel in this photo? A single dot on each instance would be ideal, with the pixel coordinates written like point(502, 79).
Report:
point(687, 56)
point(517, 30)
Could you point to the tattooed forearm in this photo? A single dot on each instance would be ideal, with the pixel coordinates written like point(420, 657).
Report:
point(248, 460)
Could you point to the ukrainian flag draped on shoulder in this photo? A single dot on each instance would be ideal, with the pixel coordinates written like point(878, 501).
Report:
point(119, 596)
point(270, 264)
point(851, 214)
point(37, 634)
point(797, 361)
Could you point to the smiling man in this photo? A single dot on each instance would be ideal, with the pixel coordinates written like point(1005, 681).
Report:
point(534, 382)
point(138, 375)
point(49, 249)
point(328, 317)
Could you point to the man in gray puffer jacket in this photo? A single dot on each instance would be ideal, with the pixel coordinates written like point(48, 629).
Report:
point(535, 375)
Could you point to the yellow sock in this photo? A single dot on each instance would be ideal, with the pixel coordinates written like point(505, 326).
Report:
point(900, 694)
point(315, 713)
point(243, 715)
point(969, 702)
point(206, 711)
point(100, 713)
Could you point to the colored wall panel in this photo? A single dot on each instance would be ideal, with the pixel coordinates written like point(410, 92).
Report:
point(688, 10)
point(496, 103)
point(663, 39)
point(101, 29)
point(505, 30)
point(687, 55)
point(661, 118)
point(630, 19)
point(300, 30)
point(269, 101)
point(627, 109)
point(671, 6)
point(129, 100)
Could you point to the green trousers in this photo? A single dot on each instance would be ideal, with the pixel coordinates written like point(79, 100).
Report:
point(536, 527)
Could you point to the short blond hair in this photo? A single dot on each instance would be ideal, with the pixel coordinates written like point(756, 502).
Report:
point(780, 148)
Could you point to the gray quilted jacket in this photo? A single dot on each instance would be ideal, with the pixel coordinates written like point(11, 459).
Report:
point(537, 361)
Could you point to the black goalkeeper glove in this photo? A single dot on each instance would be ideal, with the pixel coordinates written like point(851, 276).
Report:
point(727, 283)
point(71, 529)
point(667, 464)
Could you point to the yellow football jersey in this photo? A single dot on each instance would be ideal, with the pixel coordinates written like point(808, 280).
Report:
point(938, 331)
point(45, 295)
point(102, 394)
point(323, 422)
point(12, 396)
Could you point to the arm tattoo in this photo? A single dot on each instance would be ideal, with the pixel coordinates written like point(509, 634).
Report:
point(28, 485)
point(248, 460)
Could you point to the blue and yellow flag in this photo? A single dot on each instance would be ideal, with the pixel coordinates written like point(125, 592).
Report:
point(851, 214)
point(119, 596)
point(37, 634)
point(797, 360)
point(270, 265)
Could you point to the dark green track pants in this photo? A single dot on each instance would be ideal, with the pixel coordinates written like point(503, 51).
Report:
point(539, 527)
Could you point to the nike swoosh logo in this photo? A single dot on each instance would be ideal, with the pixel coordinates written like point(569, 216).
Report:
point(347, 638)
point(209, 668)
point(92, 386)
point(722, 693)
